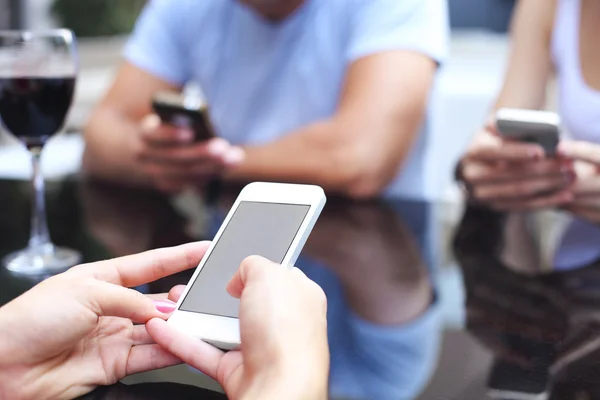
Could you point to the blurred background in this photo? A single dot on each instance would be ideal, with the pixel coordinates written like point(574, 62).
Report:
point(469, 79)
point(466, 86)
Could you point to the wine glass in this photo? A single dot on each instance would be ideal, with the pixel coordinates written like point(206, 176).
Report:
point(38, 71)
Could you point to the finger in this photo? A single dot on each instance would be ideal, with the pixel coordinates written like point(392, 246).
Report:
point(109, 300)
point(162, 302)
point(586, 202)
point(491, 127)
point(154, 132)
point(170, 186)
point(146, 267)
point(141, 336)
point(252, 268)
point(552, 201)
point(587, 187)
point(480, 172)
point(166, 306)
point(590, 214)
point(149, 357)
point(235, 156)
point(520, 189)
point(188, 349)
point(298, 272)
point(579, 150)
point(180, 172)
point(176, 292)
point(493, 148)
point(317, 290)
point(214, 149)
point(158, 296)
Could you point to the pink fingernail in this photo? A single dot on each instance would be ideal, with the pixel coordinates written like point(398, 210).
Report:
point(165, 306)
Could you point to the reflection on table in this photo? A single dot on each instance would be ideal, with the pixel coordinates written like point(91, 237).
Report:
point(543, 327)
point(383, 316)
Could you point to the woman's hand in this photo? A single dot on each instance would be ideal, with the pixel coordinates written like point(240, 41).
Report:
point(586, 191)
point(284, 355)
point(76, 331)
point(513, 176)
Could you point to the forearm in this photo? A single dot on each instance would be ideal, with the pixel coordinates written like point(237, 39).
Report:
point(5, 356)
point(110, 148)
point(340, 156)
point(530, 63)
point(308, 155)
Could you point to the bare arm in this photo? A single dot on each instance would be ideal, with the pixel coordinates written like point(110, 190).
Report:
point(530, 64)
point(112, 132)
point(511, 175)
point(360, 149)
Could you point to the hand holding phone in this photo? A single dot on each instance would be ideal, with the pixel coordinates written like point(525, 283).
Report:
point(269, 220)
point(184, 112)
point(176, 146)
point(283, 326)
point(522, 173)
point(530, 126)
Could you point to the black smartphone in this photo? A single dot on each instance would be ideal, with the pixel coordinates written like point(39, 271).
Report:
point(531, 126)
point(512, 382)
point(184, 112)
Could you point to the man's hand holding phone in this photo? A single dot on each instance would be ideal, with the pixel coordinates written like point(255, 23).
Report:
point(508, 174)
point(172, 158)
point(285, 354)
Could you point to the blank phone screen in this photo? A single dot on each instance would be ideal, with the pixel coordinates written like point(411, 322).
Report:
point(263, 229)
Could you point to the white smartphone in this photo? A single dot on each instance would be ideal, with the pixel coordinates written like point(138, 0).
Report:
point(271, 220)
point(531, 126)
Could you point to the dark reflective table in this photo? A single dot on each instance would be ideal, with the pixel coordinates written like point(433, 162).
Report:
point(393, 290)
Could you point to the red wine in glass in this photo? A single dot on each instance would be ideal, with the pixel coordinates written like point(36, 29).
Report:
point(33, 109)
point(37, 81)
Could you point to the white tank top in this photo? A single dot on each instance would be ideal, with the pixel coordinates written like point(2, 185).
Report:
point(579, 107)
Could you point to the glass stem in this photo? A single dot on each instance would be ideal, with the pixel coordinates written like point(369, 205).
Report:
point(39, 226)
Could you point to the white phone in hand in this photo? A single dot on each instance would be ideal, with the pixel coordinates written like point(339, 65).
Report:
point(272, 220)
point(531, 126)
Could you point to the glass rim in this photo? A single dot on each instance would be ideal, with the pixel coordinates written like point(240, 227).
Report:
point(67, 34)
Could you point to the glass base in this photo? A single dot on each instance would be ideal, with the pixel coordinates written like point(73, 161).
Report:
point(48, 260)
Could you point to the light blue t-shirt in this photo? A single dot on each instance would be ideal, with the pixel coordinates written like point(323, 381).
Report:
point(371, 361)
point(263, 80)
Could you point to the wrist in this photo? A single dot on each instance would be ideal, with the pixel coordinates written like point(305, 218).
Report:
point(20, 380)
point(9, 382)
point(295, 382)
point(7, 358)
